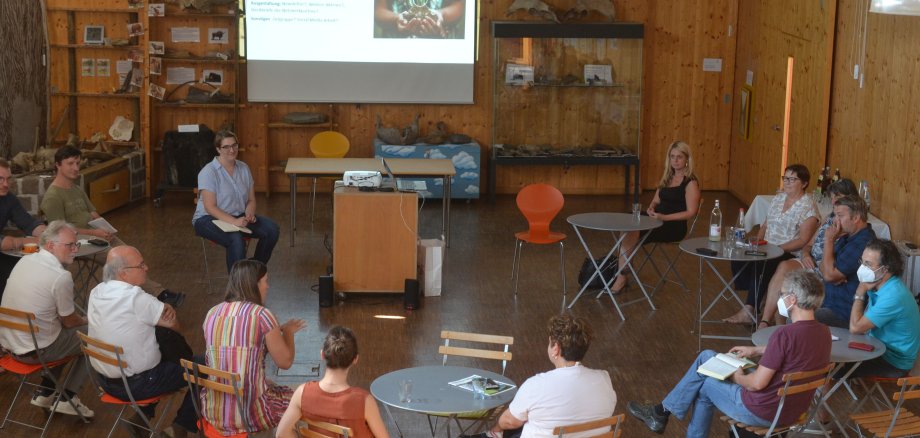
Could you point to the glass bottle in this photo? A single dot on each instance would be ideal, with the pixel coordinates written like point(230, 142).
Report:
point(715, 223)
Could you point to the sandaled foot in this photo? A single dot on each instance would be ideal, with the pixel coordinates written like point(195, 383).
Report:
point(764, 324)
point(742, 317)
point(620, 285)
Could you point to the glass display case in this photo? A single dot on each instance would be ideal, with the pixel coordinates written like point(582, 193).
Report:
point(567, 94)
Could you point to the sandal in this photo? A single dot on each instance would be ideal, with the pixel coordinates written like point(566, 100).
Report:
point(621, 290)
point(764, 324)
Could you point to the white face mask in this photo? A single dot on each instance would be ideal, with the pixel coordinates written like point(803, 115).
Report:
point(866, 274)
point(781, 307)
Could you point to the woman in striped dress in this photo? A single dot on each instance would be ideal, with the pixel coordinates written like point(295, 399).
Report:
point(238, 332)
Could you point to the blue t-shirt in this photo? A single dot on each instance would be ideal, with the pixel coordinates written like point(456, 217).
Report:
point(232, 192)
point(847, 252)
point(894, 314)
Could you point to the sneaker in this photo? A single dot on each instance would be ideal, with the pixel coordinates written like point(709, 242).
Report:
point(44, 401)
point(174, 299)
point(646, 413)
point(65, 408)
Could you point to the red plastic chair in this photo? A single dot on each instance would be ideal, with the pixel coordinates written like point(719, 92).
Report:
point(539, 203)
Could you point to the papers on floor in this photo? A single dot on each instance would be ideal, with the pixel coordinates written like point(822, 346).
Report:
point(492, 387)
point(230, 228)
point(102, 224)
point(722, 365)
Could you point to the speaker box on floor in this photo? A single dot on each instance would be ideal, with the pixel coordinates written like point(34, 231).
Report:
point(326, 293)
point(410, 295)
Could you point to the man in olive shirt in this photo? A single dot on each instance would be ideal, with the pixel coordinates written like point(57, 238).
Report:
point(66, 200)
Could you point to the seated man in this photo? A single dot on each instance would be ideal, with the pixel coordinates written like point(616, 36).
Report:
point(11, 210)
point(66, 200)
point(844, 240)
point(884, 308)
point(41, 284)
point(804, 345)
point(122, 314)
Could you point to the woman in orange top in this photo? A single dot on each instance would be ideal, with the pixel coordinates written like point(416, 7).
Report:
point(332, 399)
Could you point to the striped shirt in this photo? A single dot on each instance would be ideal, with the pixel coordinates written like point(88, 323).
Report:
point(234, 333)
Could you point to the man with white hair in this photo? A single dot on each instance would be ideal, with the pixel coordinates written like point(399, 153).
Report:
point(41, 284)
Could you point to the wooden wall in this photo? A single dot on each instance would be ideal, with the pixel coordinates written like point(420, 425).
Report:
point(680, 101)
point(769, 33)
point(874, 129)
point(23, 80)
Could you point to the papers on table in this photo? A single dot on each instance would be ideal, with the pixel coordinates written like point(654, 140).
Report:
point(492, 387)
point(102, 224)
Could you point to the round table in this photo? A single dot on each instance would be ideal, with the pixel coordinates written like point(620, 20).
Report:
point(433, 394)
point(621, 223)
point(86, 248)
point(726, 253)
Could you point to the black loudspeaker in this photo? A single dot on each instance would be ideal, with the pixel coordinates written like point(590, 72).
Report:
point(410, 295)
point(326, 292)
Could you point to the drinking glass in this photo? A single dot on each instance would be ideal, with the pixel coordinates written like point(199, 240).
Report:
point(636, 211)
point(479, 388)
point(405, 391)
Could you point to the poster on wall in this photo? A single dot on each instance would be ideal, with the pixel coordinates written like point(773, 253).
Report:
point(213, 77)
point(87, 67)
point(185, 34)
point(219, 35)
point(156, 9)
point(156, 65)
point(156, 47)
point(103, 67)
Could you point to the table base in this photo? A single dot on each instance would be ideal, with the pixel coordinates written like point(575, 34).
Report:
point(726, 288)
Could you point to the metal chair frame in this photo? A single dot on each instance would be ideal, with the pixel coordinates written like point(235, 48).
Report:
point(207, 268)
point(93, 349)
point(671, 262)
point(44, 365)
point(909, 426)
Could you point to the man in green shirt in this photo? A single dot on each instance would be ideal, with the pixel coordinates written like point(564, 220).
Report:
point(66, 200)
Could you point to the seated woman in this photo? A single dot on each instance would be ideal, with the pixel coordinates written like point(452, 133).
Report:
point(810, 258)
point(226, 192)
point(791, 221)
point(569, 394)
point(676, 201)
point(332, 399)
point(237, 334)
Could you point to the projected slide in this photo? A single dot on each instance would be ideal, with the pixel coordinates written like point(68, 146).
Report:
point(395, 51)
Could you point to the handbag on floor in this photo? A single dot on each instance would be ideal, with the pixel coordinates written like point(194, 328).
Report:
point(587, 269)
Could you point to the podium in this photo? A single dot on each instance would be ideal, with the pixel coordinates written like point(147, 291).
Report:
point(374, 240)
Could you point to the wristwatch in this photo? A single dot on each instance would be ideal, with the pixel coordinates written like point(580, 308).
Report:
point(859, 297)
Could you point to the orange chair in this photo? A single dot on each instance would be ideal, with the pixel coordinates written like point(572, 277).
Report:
point(326, 144)
point(539, 203)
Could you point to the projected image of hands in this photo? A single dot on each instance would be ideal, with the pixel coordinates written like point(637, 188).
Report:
point(442, 19)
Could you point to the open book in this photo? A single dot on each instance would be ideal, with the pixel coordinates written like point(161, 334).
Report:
point(722, 365)
point(230, 228)
point(102, 224)
point(492, 387)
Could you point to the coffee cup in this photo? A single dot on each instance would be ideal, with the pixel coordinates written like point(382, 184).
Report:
point(29, 248)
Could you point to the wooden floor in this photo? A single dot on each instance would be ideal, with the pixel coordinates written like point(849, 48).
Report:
point(645, 354)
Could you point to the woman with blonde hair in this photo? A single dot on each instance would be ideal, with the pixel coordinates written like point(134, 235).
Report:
point(676, 201)
point(332, 399)
point(238, 333)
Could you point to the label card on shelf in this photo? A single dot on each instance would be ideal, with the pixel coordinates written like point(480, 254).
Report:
point(185, 34)
point(179, 75)
point(188, 128)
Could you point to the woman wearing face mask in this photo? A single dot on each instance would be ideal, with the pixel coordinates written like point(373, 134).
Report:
point(791, 221)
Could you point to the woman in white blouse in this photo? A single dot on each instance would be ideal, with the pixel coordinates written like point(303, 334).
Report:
point(791, 221)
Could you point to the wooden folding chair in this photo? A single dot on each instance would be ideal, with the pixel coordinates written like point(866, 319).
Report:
point(504, 355)
point(307, 428)
point(23, 322)
point(223, 382)
point(795, 383)
point(612, 425)
point(896, 422)
point(112, 355)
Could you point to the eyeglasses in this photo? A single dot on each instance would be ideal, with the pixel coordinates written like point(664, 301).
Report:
point(73, 246)
point(790, 179)
point(230, 146)
point(143, 265)
point(866, 264)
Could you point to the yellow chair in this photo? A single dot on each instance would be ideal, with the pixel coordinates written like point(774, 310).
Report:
point(306, 428)
point(612, 424)
point(326, 144)
point(213, 379)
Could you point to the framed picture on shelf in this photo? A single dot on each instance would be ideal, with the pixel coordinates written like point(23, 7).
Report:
point(93, 34)
point(156, 47)
point(744, 112)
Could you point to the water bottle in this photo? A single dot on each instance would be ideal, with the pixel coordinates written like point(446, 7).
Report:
point(866, 195)
point(740, 233)
point(715, 224)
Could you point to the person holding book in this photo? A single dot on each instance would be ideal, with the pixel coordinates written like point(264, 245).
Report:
point(803, 345)
point(332, 399)
point(226, 193)
point(570, 393)
point(66, 200)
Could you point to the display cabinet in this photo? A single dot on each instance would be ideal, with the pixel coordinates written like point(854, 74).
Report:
point(567, 94)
